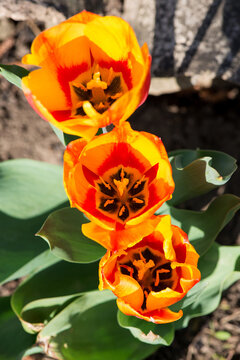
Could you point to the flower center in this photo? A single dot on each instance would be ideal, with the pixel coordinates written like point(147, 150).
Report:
point(150, 269)
point(122, 195)
point(95, 95)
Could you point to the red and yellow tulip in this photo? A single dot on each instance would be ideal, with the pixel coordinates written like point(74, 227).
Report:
point(118, 180)
point(92, 73)
point(153, 274)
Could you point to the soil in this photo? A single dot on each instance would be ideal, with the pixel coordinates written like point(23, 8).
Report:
point(200, 118)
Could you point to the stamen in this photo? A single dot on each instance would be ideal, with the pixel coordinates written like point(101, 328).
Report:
point(137, 187)
point(138, 183)
point(96, 82)
point(108, 202)
point(115, 87)
point(106, 184)
point(89, 110)
point(82, 92)
point(110, 74)
point(143, 267)
point(106, 188)
point(158, 272)
point(137, 201)
point(122, 210)
point(129, 269)
point(123, 213)
point(121, 185)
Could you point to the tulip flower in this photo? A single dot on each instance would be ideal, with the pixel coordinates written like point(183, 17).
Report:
point(118, 180)
point(153, 274)
point(92, 73)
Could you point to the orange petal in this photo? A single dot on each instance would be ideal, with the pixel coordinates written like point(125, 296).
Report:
point(119, 239)
point(122, 285)
point(162, 299)
point(161, 316)
point(120, 38)
point(45, 47)
point(46, 88)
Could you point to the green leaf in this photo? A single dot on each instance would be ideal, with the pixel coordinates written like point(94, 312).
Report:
point(203, 227)
point(197, 172)
point(13, 339)
point(37, 264)
point(63, 137)
point(35, 310)
point(32, 351)
point(28, 191)
point(191, 296)
point(59, 133)
point(29, 188)
point(146, 331)
point(88, 329)
point(43, 294)
point(13, 73)
point(62, 231)
point(219, 269)
point(68, 138)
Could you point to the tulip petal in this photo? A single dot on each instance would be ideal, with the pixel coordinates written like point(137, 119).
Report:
point(117, 47)
point(119, 239)
point(161, 316)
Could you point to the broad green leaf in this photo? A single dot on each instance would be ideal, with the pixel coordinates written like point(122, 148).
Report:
point(219, 269)
point(59, 133)
point(13, 73)
point(29, 190)
point(63, 137)
point(62, 231)
point(32, 351)
point(203, 227)
point(43, 294)
point(88, 329)
point(146, 331)
point(197, 172)
point(37, 264)
point(191, 296)
point(68, 138)
point(13, 338)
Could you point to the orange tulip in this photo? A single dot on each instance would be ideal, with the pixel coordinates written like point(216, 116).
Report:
point(118, 180)
point(153, 274)
point(92, 73)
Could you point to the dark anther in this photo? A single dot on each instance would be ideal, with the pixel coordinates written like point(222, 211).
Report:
point(114, 87)
point(83, 95)
point(130, 265)
point(103, 109)
point(136, 205)
point(123, 213)
point(166, 275)
point(146, 291)
point(136, 256)
point(162, 285)
point(106, 189)
point(148, 255)
point(118, 176)
point(80, 111)
point(124, 271)
point(137, 187)
point(109, 205)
